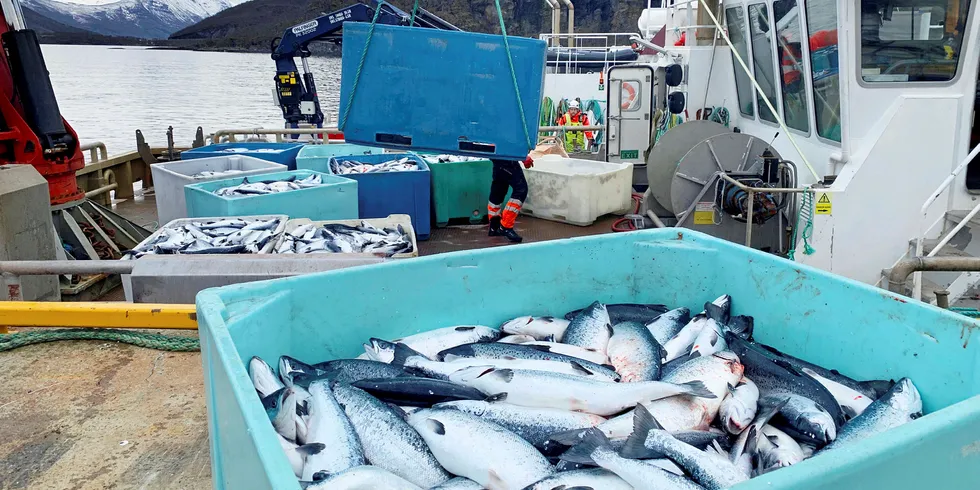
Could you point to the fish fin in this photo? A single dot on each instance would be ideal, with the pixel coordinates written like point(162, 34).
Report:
point(312, 448)
point(609, 328)
point(787, 366)
point(742, 325)
point(505, 375)
point(773, 440)
point(752, 441)
point(698, 389)
point(464, 329)
point(716, 313)
point(542, 348)
point(876, 386)
point(580, 368)
point(499, 397)
point(303, 408)
point(849, 411)
point(731, 389)
point(771, 408)
point(582, 452)
point(397, 410)
point(567, 437)
point(402, 353)
point(495, 481)
point(609, 366)
point(436, 426)
point(643, 423)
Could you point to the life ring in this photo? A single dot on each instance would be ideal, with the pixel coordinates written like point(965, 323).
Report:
point(630, 97)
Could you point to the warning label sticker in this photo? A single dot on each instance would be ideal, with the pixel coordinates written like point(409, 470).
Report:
point(704, 213)
point(824, 204)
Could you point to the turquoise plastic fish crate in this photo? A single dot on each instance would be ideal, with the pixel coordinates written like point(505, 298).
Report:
point(443, 91)
point(317, 157)
point(864, 332)
point(336, 199)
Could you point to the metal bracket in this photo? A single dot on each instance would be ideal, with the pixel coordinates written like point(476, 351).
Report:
point(144, 149)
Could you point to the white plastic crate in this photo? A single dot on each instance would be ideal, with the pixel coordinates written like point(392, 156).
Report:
point(170, 178)
point(576, 191)
point(392, 220)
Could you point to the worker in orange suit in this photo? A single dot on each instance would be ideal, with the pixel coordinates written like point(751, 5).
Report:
point(507, 174)
point(575, 140)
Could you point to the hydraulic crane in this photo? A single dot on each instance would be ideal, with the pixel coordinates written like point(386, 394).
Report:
point(296, 92)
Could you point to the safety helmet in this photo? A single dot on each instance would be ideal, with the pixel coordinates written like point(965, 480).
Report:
point(573, 104)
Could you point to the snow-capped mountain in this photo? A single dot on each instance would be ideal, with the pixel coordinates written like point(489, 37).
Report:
point(152, 19)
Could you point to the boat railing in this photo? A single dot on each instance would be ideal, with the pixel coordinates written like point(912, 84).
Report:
point(97, 151)
point(920, 239)
point(230, 135)
point(601, 42)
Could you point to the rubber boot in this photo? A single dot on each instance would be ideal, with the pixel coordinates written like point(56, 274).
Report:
point(495, 227)
point(510, 234)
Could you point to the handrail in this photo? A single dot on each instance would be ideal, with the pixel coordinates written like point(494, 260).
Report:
point(230, 133)
point(93, 154)
point(949, 178)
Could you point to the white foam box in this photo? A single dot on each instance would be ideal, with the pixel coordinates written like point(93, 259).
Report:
point(576, 191)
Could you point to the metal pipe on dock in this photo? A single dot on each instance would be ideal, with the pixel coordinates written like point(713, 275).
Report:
point(101, 190)
point(97, 315)
point(58, 267)
point(899, 273)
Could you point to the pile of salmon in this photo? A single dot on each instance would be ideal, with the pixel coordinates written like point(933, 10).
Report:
point(616, 396)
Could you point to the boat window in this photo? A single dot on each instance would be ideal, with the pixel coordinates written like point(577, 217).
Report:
point(735, 17)
point(911, 40)
point(821, 22)
point(789, 50)
point(765, 73)
point(632, 97)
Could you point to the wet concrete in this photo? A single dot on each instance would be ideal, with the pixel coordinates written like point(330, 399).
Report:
point(95, 415)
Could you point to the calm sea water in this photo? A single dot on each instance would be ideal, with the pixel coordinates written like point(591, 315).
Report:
point(107, 93)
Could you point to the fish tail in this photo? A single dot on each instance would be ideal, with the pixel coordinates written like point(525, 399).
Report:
point(568, 437)
point(643, 423)
point(312, 448)
point(698, 389)
point(593, 443)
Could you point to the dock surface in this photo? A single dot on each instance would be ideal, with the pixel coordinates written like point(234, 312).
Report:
point(85, 415)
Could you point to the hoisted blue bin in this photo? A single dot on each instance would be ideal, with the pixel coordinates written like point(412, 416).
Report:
point(383, 193)
point(441, 91)
point(284, 153)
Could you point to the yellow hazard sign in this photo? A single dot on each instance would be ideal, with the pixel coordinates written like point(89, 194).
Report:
point(704, 213)
point(824, 204)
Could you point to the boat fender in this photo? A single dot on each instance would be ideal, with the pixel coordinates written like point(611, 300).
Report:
point(675, 102)
point(674, 75)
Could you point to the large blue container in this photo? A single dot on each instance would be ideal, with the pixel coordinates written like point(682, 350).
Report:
point(442, 91)
point(336, 199)
point(317, 157)
point(384, 193)
point(863, 331)
point(284, 153)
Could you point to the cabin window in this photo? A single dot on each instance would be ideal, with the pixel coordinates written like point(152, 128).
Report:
point(765, 73)
point(821, 22)
point(789, 50)
point(735, 17)
point(911, 41)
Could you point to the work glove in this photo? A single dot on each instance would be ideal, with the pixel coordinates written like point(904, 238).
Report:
point(528, 162)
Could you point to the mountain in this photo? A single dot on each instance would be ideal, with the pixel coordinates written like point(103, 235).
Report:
point(253, 25)
point(150, 19)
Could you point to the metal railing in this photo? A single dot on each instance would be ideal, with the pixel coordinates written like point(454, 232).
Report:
point(95, 149)
point(920, 239)
point(230, 134)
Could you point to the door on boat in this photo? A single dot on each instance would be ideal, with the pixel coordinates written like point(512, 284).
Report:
point(629, 114)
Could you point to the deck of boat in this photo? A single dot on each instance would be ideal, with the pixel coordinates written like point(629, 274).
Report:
point(95, 415)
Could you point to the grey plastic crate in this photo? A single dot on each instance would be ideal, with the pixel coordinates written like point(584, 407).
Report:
point(170, 178)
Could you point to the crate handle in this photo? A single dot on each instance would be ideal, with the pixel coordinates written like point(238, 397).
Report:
point(393, 139)
point(477, 147)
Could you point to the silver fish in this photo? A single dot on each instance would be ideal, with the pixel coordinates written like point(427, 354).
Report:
point(634, 352)
point(595, 448)
point(416, 362)
point(777, 450)
point(590, 330)
point(594, 478)
point(553, 390)
point(480, 450)
point(516, 339)
point(264, 379)
point(535, 425)
point(388, 441)
point(364, 478)
point(541, 328)
point(899, 406)
point(667, 325)
point(739, 407)
point(711, 472)
point(851, 401)
point(297, 454)
point(681, 343)
point(434, 341)
point(802, 418)
point(329, 425)
point(285, 418)
point(568, 350)
point(459, 483)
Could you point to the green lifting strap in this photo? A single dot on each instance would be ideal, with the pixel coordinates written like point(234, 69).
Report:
point(513, 75)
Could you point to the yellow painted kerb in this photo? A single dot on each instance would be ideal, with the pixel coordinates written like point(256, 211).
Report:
point(109, 315)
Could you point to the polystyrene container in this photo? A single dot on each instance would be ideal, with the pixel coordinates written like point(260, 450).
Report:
point(280, 228)
point(391, 221)
point(577, 191)
point(282, 153)
point(335, 199)
point(459, 189)
point(170, 178)
point(865, 332)
point(380, 194)
point(317, 157)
